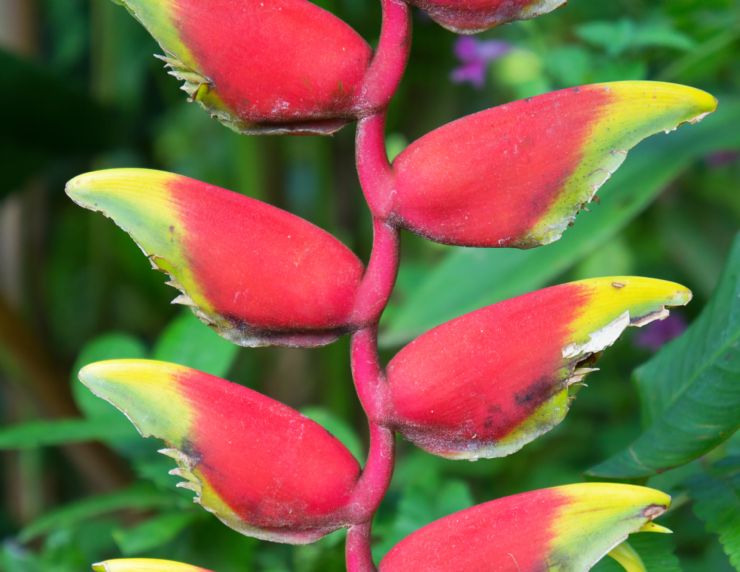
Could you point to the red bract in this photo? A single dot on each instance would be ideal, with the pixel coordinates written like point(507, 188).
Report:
point(470, 16)
point(255, 273)
point(258, 465)
point(562, 528)
point(516, 175)
point(489, 382)
point(277, 66)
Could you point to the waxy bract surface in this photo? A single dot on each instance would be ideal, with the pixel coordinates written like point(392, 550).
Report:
point(516, 175)
point(470, 16)
point(563, 528)
point(144, 565)
point(277, 66)
point(261, 467)
point(257, 274)
point(491, 381)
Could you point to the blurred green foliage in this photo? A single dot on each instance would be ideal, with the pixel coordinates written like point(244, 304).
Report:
point(94, 97)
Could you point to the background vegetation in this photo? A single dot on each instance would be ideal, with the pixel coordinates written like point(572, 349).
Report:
point(79, 90)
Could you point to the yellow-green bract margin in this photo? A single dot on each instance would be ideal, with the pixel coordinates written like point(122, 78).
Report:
point(157, 16)
point(634, 110)
point(540, 7)
point(141, 203)
point(595, 518)
point(146, 392)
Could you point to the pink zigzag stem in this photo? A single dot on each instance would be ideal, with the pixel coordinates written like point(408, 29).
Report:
point(374, 171)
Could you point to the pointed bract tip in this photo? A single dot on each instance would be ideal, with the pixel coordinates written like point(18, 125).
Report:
point(83, 187)
point(650, 526)
point(704, 102)
point(144, 565)
point(99, 372)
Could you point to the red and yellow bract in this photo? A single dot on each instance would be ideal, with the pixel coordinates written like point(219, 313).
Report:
point(516, 175)
point(562, 528)
point(261, 467)
point(489, 382)
point(277, 66)
point(256, 273)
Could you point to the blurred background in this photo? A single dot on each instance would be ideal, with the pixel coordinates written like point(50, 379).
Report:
point(80, 90)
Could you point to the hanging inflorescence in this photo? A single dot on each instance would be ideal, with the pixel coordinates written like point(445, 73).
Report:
point(480, 386)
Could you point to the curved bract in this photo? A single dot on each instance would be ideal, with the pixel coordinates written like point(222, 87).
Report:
point(277, 66)
point(255, 273)
point(516, 175)
point(258, 465)
point(563, 528)
point(489, 382)
point(144, 565)
point(471, 16)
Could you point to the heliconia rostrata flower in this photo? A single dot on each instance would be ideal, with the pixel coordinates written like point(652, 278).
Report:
point(516, 175)
point(470, 16)
point(144, 565)
point(482, 385)
point(489, 382)
point(257, 66)
point(258, 465)
point(257, 274)
point(562, 528)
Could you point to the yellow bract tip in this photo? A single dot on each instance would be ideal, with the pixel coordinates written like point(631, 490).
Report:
point(144, 565)
point(653, 527)
point(127, 372)
point(111, 180)
point(146, 391)
point(657, 94)
point(628, 558)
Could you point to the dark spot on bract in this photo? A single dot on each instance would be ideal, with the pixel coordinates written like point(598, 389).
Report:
point(537, 393)
point(189, 449)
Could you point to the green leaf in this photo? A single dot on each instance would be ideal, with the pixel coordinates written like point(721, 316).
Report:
point(716, 495)
point(689, 390)
point(657, 552)
point(63, 432)
point(153, 533)
point(187, 341)
point(661, 34)
point(617, 36)
point(613, 36)
point(76, 513)
point(468, 279)
point(420, 505)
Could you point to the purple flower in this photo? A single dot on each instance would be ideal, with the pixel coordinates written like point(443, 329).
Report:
point(722, 158)
point(474, 56)
point(656, 334)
